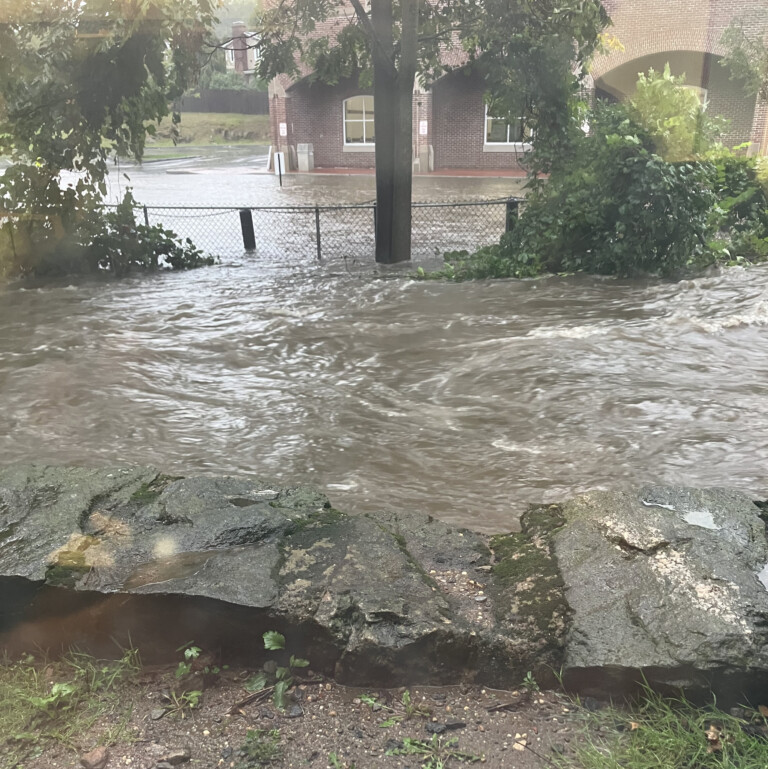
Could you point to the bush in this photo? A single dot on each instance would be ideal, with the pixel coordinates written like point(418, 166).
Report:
point(92, 241)
point(673, 116)
point(617, 209)
point(741, 197)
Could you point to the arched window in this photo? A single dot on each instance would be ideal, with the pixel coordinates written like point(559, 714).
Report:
point(358, 120)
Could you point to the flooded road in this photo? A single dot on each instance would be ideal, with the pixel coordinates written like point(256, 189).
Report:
point(465, 401)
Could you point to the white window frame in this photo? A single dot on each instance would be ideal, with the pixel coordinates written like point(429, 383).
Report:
point(231, 55)
point(365, 145)
point(507, 146)
point(701, 92)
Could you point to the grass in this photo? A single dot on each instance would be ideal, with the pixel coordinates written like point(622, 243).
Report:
point(659, 733)
point(59, 701)
point(200, 129)
point(261, 748)
point(436, 753)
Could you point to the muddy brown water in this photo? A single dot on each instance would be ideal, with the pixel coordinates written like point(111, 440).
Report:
point(465, 401)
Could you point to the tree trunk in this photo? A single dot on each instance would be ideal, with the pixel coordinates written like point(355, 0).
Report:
point(385, 107)
point(403, 149)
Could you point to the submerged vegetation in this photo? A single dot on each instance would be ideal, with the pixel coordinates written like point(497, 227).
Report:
point(648, 190)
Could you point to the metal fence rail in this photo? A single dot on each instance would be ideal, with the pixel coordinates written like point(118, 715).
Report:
point(331, 232)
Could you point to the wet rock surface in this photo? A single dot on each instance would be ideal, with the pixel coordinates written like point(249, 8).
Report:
point(660, 584)
point(124, 556)
point(663, 586)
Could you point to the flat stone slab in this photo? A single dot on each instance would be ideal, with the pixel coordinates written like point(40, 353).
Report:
point(661, 585)
point(107, 558)
point(664, 585)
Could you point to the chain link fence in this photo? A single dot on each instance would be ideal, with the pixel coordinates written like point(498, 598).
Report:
point(331, 232)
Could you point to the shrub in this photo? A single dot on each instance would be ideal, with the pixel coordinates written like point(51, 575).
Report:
point(741, 198)
point(618, 208)
point(673, 116)
point(91, 240)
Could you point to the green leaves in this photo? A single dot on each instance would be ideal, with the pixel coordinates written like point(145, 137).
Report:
point(79, 83)
point(281, 676)
point(273, 640)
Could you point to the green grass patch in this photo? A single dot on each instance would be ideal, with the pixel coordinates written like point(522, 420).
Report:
point(202, 129)
point(44, 702)
point(261, 748)
point(659, 733)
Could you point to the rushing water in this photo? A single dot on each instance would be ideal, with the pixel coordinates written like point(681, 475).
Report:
point(464, 401)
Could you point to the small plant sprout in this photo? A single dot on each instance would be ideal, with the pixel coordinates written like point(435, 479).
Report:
point(530, 684)
point(261, 748)
point(180, 704)
point(337, 763)
point(410, 709)
point(281, 680)
point(191, 653)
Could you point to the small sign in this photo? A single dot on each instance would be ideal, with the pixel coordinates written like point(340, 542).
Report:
point(283, 129)
point(423, 128)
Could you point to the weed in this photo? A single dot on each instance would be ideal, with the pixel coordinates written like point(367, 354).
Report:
point(261, 748)
point(337, 763)
point(530, 684)
point(434, 754)
point(191, 653)
point(409, 709)
point(102, 675)
point(182, 703)
point(58, 701)
point(281, 679)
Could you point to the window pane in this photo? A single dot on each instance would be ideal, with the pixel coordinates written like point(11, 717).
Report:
point(353, 131)
point(370, 133)
point(353, 108)
point(495, 130)
point(368, 101)
point(516, 130)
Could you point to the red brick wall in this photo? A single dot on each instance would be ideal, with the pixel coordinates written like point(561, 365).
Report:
point(317, 115)
point(459, 124)
point(240, 46)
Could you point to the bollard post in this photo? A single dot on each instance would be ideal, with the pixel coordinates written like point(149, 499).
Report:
point(246, 225)
point(317, 232)
point(146, 216)
point(513, 209)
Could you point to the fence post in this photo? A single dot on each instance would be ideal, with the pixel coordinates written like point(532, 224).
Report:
point(146, 216)
point(246, 225)
point(317, 231)
point(513, 209)
point(375, 217)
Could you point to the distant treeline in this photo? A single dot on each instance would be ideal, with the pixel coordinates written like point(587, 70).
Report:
point(244, 102)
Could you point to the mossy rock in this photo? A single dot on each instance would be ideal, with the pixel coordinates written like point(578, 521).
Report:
point(527, 587)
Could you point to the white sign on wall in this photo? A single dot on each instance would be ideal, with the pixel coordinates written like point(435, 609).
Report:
point(283, 129)
point(423, 128)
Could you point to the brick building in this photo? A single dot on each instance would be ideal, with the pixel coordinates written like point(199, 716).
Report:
point(241, 54)
point(452, 129)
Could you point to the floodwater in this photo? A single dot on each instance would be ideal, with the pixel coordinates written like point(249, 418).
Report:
point(465, 401)
point(237, 176)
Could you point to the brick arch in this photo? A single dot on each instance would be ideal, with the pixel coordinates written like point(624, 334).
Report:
point(646, 27)
point(656, 43)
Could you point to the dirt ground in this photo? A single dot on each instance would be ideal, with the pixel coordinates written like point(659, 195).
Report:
point(324, 725)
